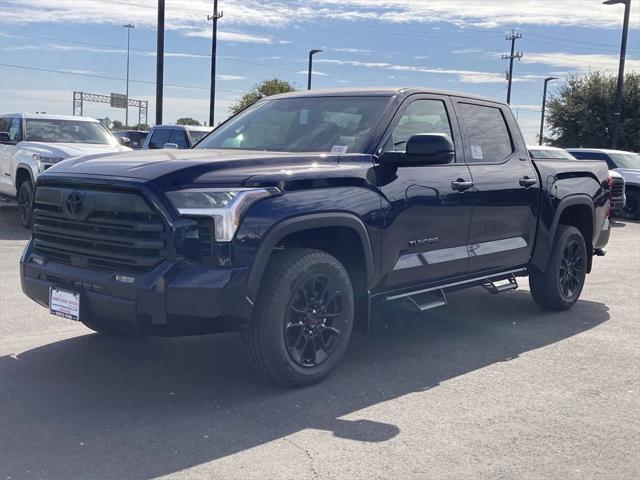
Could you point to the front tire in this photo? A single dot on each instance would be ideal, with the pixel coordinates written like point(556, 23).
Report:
point(560, 285)
point(303, 318)
point(25, 197)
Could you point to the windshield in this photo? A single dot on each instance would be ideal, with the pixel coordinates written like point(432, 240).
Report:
point(626, 160)
point(309, 124)
point(197, 135)
point(67, 131)
point(540, 153)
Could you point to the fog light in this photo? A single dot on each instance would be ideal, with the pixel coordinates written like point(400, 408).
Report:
point(125, 279)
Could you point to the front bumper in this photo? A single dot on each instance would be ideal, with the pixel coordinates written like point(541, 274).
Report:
point(175, 298)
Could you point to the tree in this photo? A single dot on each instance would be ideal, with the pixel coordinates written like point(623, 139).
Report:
point(263, 89)
point(188, 121)
point(581, 113)
point(117, 125)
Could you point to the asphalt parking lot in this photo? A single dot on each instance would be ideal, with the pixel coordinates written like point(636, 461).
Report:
point(489, 387)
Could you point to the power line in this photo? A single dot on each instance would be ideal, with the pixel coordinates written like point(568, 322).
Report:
point(512, 38)
point(107, 77)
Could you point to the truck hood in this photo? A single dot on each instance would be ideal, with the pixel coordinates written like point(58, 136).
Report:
point(68, 150)
point(630, 175)
point(185, 168)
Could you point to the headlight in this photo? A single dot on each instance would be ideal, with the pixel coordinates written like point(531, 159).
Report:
point(42, 160)
point(225, 206)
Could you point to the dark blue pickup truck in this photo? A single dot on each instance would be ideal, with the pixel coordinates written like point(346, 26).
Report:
point(294, 218)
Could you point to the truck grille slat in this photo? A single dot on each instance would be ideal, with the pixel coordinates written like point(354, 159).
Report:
point(111, 229)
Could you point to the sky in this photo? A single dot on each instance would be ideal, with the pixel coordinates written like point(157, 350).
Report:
point(51, 48)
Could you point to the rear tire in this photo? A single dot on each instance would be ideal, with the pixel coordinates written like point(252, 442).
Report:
point(25, 197)
point(303, 318)
point(560, 285)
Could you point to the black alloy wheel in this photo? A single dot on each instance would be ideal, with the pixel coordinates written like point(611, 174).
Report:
point(314, 321)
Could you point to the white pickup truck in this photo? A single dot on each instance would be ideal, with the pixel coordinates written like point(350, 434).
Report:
point(29, 144)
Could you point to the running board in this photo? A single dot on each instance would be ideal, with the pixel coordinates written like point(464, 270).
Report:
point(460, 284)
point(504, 285)
point(428, 300)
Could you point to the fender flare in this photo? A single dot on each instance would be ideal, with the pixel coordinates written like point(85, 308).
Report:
point(301, 223)
point(572, 201)
point(28, 168)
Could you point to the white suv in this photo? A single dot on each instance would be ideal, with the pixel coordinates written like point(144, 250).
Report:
point(29, 144)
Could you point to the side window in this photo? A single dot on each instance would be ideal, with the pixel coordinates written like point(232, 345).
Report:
point(487, 134)
point(179, 137)
point(422, 116)
point(4, 124)
point(159, 138)
point(15, 130)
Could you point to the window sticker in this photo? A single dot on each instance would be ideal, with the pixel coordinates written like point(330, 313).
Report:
point(339, 149)
point(304, 117)
point(476, 152)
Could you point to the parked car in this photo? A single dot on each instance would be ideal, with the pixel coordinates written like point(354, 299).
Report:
point(30, 144)
point(616, 181)
point(626, 164)
point(131, 138)
point(174, 136)
point(297, 216)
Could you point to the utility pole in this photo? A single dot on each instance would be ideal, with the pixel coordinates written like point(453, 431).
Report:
point(160, 63)
point(128, 26)
point(513, 37)
point(544, 106)
point(615, 130)
point(214, 44)
point(311, 54)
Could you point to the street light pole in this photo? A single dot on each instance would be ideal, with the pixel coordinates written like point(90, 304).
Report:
point(160, 62)
point(311, 54)
point(615, 130)
point(128, 26)
point(544, 106)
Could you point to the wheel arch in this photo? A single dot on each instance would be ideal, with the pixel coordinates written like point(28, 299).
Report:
point(23, 172)
point(339, 230)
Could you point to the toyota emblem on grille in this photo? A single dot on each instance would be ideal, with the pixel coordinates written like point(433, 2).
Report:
point(74, 203)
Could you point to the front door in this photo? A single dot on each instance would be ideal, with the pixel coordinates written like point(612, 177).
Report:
point(506, 187)
point(10, 125)
point(427, 220)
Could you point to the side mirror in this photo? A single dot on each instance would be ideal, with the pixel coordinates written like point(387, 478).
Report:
point(4, 137)
point(171, 146)
point(424, 149)
point(125, 141)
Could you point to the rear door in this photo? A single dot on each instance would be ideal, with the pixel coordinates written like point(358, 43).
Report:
point(426, 226)
point(506, 187)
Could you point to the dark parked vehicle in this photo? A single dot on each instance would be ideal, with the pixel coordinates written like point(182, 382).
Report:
point(616, 181)
point(626, 164)
point(174, 136)
point(131, 138)
point(296, 217)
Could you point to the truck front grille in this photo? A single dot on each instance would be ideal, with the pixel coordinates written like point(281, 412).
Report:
point(115, 230)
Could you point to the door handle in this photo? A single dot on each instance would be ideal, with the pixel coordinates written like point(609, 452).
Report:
point(461, 185)
point(527, 182)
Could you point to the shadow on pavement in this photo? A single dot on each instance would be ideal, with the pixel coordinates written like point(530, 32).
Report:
point(98, 407)
point(10, 226)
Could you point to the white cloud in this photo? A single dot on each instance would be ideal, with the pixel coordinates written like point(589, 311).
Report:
point(191, 14)
point(465, 76)
point(230, 77)
point(315, 72)
point(348, 50)
point(580, 63)
point(232, 36)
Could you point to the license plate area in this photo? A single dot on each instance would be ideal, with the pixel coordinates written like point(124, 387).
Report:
point(64, 303)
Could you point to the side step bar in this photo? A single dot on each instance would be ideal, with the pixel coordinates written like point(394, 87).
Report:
point(500, 286)
point(428, 300)
point(489, 280)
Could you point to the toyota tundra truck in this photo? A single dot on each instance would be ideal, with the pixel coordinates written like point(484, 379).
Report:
point(296, 217)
